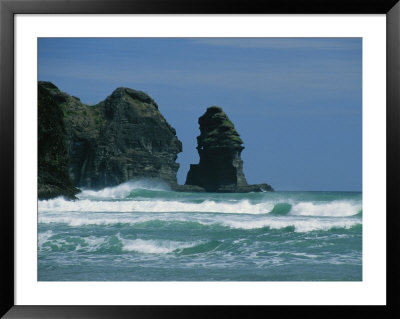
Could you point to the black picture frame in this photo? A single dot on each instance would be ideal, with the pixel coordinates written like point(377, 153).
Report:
point(9, 8)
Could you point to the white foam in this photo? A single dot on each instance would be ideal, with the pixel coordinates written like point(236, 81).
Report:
point(81, 219)
point(242, 207)
point(300, 225)
point(154, 246)
point(44, 237)
point(335, 208)
point(236, 221)
point(123, 190)
point(116, 203)
point(59, 243)
point(94, 242)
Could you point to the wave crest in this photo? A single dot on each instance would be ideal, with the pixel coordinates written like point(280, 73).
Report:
point(176, 222)
point(50, 242)
point(154, 206)
point(154, 246)
point(333, 209)
point(124, 189)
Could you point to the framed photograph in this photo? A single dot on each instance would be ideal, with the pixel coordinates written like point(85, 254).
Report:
point(163, 158)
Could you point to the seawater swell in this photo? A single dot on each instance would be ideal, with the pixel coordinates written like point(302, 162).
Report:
point(233, 222)
point(134, 197)
point(112, 244)
point(116, 206)
point(48, 241)
point(337, 208)
point(144, 231)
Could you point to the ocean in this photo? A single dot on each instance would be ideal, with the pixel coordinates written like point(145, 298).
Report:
point(143, 231)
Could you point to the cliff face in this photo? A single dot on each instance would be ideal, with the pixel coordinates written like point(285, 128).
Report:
point(53, 159)
point(121, 138)
point(135, 141)
point(82, 130)
point(219, 146)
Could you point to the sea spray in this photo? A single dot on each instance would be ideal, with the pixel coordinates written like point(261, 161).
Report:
point(122, 190)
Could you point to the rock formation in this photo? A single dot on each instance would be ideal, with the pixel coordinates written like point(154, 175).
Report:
point(53, 159)
point(125, 137)
point(121, 138)
point(82, 130)
point(219, 146)
point(135, 141)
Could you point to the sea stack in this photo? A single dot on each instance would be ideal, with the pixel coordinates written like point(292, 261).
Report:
point(219, 146)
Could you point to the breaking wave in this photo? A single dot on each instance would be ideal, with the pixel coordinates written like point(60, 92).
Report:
point(50, 242)
point(154, 246)
point(124, 189)
point(179, 221)
point(332, 209)
point(142, 230)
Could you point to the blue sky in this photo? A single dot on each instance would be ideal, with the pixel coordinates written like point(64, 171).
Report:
point(296, 102)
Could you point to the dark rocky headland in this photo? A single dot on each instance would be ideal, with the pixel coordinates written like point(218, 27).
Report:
point(53, 158)
point(126, 137)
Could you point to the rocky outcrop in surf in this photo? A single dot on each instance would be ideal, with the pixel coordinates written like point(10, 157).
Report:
point(121, 138)
point(219, 146)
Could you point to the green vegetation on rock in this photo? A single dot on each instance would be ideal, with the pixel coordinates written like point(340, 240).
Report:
point(217, 130)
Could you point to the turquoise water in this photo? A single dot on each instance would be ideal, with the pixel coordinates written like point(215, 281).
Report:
point(142, 231)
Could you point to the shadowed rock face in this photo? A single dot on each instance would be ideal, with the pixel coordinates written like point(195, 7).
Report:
point(121, 138)
point(135, 141)
point(53, 159)
point(219, 146)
